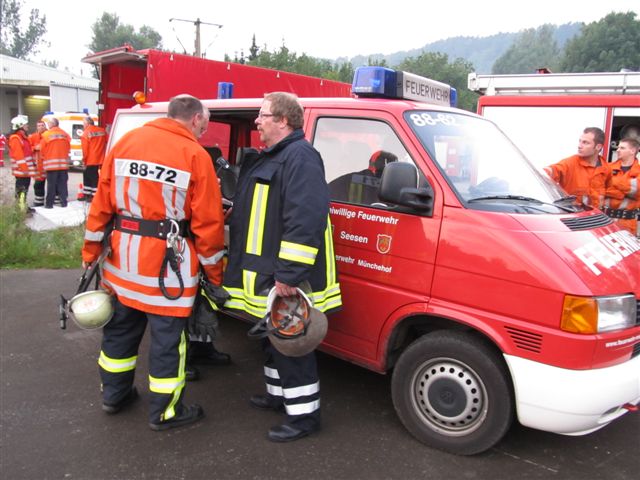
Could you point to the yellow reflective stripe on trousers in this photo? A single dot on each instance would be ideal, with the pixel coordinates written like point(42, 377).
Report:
point(171, 386)
point(297, 252)
point(117, 365)
point(257, 219)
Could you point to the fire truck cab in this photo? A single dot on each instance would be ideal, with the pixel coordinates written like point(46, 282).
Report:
point(486, 292)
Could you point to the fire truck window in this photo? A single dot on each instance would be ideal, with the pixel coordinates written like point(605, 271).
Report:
point(355, 152)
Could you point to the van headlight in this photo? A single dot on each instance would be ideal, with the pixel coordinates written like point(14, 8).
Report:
point(590, 315)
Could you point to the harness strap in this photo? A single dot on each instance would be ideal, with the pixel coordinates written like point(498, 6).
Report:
point(150, 228)
point(622, 213)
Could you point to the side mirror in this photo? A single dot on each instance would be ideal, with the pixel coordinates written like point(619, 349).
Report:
point(399, 186)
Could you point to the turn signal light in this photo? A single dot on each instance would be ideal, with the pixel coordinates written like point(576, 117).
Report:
point(139, 97)
point(579, 315)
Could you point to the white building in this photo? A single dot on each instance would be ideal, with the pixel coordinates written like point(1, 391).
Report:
point(27, 88)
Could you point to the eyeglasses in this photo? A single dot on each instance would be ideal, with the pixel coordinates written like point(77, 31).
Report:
point(265, 115)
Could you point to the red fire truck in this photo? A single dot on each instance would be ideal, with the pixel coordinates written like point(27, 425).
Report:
point(486, 292)
point(545, 113)
point(158, 76)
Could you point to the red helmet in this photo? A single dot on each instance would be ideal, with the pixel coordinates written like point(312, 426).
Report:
point(293, 326)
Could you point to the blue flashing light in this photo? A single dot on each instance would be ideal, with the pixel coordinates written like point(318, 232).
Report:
point(374, 82)
point(389, 83)
point(85, 110)
point(225, 90)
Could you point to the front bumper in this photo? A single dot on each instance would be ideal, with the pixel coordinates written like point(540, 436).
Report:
point(572, 402)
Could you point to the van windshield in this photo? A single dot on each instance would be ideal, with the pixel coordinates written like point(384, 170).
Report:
point(483, 167)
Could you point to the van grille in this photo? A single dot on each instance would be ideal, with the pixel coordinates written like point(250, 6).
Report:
point(525, 340)
point(636, 350)
point(638, 312)
point(587, 223)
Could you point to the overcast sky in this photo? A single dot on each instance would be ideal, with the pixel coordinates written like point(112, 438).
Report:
point(325, 29)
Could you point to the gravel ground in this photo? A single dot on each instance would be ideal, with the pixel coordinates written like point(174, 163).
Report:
point(7, 185)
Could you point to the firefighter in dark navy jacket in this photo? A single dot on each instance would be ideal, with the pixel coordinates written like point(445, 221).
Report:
point(281, 236)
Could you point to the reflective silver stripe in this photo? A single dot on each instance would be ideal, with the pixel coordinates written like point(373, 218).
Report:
point(297, 252)
point(133, 250)
point(634, 188)
point(165, 385)
point(170, 281)
point(125, 238)
point(213, 259)
point(257, 219)
point(117, 365)
point(273, 390)
point(120, 203)
point(302, 408)
point(133, 192)
point(271, 373)
point(93, 236)
point(303, 391)
point(154, 300)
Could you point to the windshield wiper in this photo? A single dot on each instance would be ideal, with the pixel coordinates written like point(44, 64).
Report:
point(522, 198)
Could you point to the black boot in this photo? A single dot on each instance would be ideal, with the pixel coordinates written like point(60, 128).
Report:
point(201, 353)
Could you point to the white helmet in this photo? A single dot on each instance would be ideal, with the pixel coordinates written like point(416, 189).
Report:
point(293, 326)
point(19, 121)
point(92, 309)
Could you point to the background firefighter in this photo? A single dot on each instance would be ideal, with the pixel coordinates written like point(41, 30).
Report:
point(280, 235)
point(40, 176)
point(54, 148)
point(622, 198)
point(158, 184)
point(22, 164)
point(94, 143)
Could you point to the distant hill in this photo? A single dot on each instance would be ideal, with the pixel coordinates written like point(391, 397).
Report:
point(482, 52)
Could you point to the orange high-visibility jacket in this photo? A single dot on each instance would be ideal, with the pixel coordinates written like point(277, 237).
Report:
point(22, 164)
point(624, 193)
point(34, 140)
point(155, 172)
point(94, 143)
point(579, 178)
point(54, 148)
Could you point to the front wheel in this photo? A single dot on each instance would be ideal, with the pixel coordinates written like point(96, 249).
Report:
point(452, 392)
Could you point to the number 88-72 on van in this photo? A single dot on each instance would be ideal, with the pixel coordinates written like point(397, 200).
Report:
point(487, 292)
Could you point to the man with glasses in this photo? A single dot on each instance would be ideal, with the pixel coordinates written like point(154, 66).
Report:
point(280, 237)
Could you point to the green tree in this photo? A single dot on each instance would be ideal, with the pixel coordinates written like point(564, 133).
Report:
point(437, 67)
point(608, 45)
point(17, 41)
point(534, 48)
point(108, 33)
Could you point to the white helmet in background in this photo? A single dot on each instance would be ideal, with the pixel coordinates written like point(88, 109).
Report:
point(19, 122)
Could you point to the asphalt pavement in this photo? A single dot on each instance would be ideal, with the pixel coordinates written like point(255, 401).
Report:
point(52, 426)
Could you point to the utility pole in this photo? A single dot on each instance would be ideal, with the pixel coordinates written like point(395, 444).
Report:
point(197, 23)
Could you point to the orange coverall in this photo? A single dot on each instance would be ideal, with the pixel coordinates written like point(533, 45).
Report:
point(54, 148)
point(624, 193)
point(94, 143)
point(579, 178)
point(22, 164)
point(155, 172)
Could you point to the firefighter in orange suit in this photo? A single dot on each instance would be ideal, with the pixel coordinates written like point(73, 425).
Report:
point(94, 144)
point(159, 188)
point(585, 174)
point(21, 155)
point(54, 148)
point(622, 200)
point(40, 176)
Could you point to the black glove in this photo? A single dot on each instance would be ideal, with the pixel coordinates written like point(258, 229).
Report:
point(203, 321)
point(217, 295)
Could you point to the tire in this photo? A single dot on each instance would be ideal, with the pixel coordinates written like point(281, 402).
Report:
point(453, 393)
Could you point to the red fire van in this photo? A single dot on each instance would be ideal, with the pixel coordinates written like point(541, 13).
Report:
point(484, 290)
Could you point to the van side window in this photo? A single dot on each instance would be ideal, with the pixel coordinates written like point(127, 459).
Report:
point(355, 152)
